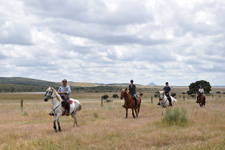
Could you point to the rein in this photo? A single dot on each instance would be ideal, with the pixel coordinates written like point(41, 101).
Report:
point(51, 97)
point(163, 103)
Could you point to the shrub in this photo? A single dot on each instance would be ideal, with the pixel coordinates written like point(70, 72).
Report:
point(175, 117)
point(115, 96)
point(105, 96)
point(95, 115)
point(173, 94)
point(218, 92)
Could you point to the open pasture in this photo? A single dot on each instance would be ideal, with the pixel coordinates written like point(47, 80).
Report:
point(106, 127)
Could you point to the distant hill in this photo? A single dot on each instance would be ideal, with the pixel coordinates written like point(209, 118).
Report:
point(26, 81)
point(152, 83)
point(19, 84)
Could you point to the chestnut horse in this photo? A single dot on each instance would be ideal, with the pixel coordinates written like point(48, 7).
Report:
point(200, 100)
point(130, 102)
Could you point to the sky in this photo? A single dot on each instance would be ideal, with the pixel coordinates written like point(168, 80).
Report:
point(114, 41)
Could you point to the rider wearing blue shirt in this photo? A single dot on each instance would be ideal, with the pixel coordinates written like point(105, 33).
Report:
point(64, 91)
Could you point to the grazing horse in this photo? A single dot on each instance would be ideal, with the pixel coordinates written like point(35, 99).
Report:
point(130, 103)
point(163, 100)
point(200, 100)
point(57, 108)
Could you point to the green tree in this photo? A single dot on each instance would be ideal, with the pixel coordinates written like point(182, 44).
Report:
point(115, 96)
point(141, 94)
point(194, 87)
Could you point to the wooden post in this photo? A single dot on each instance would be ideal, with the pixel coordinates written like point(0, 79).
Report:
point(152, 100)
point(21, 105)
point(183, 98)
point(102, 102)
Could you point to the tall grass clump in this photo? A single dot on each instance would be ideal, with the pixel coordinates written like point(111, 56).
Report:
point(175, 117)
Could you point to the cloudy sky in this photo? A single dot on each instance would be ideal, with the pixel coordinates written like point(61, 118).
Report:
point(113, 41)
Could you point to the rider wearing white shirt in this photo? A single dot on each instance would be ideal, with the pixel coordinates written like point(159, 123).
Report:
point(201, 91)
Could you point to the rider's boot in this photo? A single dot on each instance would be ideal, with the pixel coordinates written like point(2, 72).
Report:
point(51, 113)
point(170, 102)
point(123, 106)
point(68, 109)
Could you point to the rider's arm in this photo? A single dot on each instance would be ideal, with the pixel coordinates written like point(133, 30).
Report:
point(69, 90)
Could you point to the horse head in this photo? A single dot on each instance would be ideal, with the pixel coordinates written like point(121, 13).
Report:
point(161, 95)
point(48, 94)
point(122, 95)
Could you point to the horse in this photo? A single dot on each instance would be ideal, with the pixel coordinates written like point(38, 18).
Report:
point(200, 100)
point(164, 102)
point(130, 103)
point(57, 108)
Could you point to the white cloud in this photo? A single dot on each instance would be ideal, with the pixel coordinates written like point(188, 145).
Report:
point(113, 41)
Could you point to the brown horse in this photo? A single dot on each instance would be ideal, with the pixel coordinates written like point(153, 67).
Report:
point(200, 100)
point(130, 103)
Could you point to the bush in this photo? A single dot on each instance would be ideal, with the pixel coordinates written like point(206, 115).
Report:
point(115, 96)
point(218, 92)
point(175, 117)
point(105, 96)
point(173, 94)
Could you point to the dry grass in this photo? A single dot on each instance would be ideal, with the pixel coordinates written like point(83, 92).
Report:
point(107, 128)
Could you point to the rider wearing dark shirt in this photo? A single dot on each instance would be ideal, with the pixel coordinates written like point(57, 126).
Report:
point(132, 91)
point(167, 90)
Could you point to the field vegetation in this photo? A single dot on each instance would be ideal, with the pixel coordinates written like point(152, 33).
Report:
point(106, 127)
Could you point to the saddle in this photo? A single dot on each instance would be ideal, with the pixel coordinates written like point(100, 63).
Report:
point(64, 103)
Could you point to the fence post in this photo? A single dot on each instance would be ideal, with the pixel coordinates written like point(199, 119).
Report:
point(183, 98)
point(21, 105)
point(152, 100)
point(102, 102)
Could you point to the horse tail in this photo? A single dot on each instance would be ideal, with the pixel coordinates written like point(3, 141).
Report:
point(79, 107)
point(174, 100)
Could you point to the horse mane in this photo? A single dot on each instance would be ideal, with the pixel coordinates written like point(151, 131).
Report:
point(57, 95)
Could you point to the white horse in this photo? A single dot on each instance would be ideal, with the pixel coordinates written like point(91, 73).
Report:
point(163, 100)
point(57, 108)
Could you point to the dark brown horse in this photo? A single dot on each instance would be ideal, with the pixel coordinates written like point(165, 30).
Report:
point(201, 100)
point(130, 103)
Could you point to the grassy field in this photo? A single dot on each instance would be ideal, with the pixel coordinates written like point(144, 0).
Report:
point(106, 128)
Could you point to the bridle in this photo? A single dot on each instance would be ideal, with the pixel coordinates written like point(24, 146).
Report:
point(161, 98)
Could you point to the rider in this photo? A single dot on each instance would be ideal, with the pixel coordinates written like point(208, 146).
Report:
point(167, 90)
point(64, 91)
point(201, 91)
point(133, 91)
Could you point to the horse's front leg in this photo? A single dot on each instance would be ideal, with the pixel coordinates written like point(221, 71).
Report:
point(59, 125)
point(136, 112)
point(126, 112)
point(162, 110)
point(133, 113)
point(54, 126)
point(54, 122)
